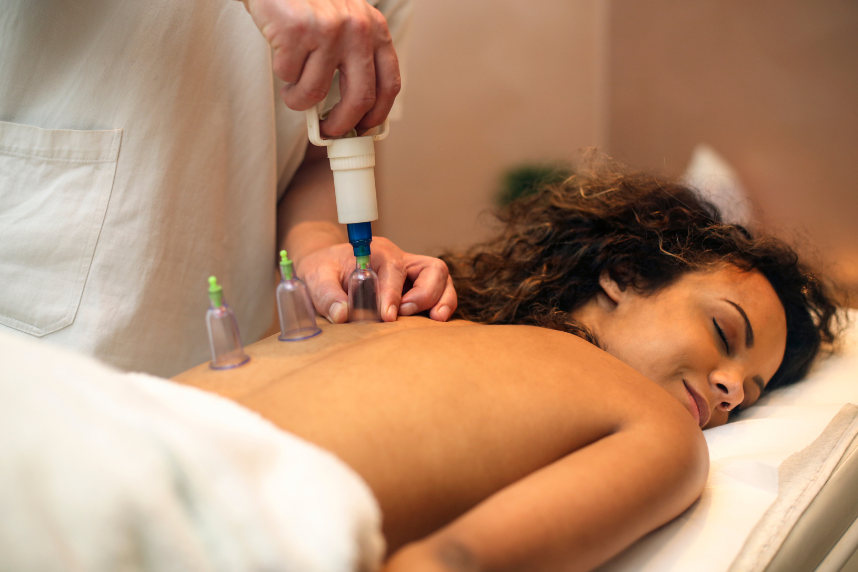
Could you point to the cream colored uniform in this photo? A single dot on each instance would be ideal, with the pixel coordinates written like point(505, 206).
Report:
point(143, 147)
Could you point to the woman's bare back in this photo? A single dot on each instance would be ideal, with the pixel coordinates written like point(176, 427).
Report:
point(438, 418)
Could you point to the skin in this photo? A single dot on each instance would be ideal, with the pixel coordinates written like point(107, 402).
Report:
point(513, 447)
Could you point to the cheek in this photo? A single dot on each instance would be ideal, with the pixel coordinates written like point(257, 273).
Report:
point(665, 355)
point(662, 339)
point(636, 339)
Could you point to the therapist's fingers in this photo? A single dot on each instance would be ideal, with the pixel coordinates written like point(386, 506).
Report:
point(388, 83)
point(289, 63)
point(357, 72)
point(370, 77)
point(447, 304)
point(322, 271)
point(314, 83)
point(357, 85)
point(391, 277)
point(290, 49)
point(330, 300)
point(432, 290)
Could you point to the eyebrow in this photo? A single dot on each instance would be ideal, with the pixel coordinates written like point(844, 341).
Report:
point(749, 331)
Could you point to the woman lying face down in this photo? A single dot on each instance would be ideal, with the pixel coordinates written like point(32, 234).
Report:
point(519, 447)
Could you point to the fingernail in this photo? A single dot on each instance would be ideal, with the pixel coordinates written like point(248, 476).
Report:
point(408, 309)
point(444, 313)
point(391, 312)
point(338, 313)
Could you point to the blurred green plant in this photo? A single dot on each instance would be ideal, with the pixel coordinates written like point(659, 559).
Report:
point(526, 179)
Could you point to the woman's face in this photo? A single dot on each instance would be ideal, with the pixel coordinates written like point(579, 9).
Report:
point(713, 339)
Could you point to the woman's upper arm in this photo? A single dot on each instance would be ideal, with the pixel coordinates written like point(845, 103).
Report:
point(579, 511)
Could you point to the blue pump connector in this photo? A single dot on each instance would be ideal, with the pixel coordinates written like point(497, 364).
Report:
point(360, 235)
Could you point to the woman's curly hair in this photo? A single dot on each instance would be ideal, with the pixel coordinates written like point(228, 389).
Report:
point(645, 232)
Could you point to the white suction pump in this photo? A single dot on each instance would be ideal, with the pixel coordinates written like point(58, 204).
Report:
point(353, 163)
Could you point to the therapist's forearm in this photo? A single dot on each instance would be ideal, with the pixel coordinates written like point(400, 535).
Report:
point(308, 237)
point(307, 214)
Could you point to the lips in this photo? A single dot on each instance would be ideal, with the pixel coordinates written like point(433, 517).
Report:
point(699, 405)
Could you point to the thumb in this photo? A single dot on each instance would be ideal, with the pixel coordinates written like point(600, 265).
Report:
point(329, 298)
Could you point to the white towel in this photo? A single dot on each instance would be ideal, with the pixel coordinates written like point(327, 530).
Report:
point(103, 471)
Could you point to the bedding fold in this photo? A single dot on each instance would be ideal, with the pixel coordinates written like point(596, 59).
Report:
point(800, 477)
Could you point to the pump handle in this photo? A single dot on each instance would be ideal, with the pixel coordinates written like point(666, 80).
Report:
point(316, 136)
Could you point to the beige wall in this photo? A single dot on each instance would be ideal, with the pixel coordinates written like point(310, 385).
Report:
point(489, 84)
point(772, 85)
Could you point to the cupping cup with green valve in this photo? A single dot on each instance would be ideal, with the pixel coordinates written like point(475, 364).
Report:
point(297, 316)
point(224, 341)
point(363, 293)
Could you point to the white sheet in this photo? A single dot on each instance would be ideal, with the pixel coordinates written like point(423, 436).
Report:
point(101, 471)
point(750, 468)
point(800, 478)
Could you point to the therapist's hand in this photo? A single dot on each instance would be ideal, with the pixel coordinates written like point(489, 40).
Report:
point(311, 39)
point(326, 272)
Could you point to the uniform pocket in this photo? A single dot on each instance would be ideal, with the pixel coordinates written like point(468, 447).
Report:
point(54, 188)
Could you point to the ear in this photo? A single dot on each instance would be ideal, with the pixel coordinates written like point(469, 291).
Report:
point(613, 290)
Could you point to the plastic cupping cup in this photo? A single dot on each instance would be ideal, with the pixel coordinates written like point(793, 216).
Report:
point(363, 296)
point(294, 306)
point(297, 317)
point(224, 339)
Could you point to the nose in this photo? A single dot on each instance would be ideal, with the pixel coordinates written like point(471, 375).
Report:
point(728, 388)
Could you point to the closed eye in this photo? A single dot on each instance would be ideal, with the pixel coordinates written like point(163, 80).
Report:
point(722, 336)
